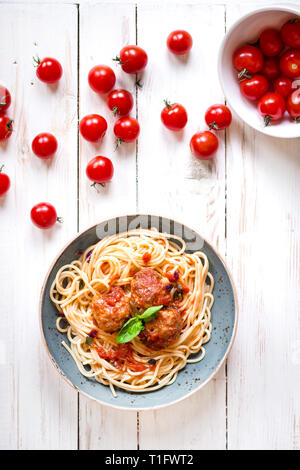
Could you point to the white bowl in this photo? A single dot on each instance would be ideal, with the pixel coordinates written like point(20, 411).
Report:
point(247, 29)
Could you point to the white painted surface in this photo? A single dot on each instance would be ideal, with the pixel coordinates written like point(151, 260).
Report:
point(172, 182)
point(263, 195)
point(38, 409)
point(256, 403)
point(99, 43)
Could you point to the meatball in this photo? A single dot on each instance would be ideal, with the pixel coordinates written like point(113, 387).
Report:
point(111, 310)
point(164, 330)
point(149, 289)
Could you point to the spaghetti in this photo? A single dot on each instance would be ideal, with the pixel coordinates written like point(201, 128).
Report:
point(113, 261)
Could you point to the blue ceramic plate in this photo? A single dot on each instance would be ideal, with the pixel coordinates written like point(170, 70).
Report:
point(193, 376)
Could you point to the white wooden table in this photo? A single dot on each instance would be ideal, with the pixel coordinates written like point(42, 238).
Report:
point(246, 202)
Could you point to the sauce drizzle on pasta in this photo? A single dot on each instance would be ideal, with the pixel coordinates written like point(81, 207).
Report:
point(112, 262)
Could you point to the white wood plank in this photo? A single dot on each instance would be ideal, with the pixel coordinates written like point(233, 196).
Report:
point(38, 409)
point(263, 249)
point(195, 423)
point(104, 29)
point(144, 2)
point(176, 184)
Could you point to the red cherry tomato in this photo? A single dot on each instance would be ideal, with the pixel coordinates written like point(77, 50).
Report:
point(100, 170)
point(44, 145)
point(5, 99)
point(174, 116)
point(133, 59)
point(4, 182)
point(43, 215)
point(248, 59)
point(271, 68)
point(283, 86)
point(126, 129)
point(48, 70)
point(272, 107)
point(270, 42)
point(290, 33)
point(120, 102)
point(218, 117)
point(293, 105)
point(6, 127)
point(101, 78)
point(204, 144)
point(93, 127)
point(179, 42)
point(290, 63)
point(255, 87)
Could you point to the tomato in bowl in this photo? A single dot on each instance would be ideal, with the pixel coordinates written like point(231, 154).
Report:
point(247, 30)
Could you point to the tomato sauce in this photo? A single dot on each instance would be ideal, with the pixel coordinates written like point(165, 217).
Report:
point(146, 257)
point(113, 297)
point(185, 288)
point(133, 271)
point(121, 357)
point(174, 278)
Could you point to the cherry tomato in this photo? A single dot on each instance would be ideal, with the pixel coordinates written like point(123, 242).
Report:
point(4, 182)
point(271, 68)
point(48, 70)
point(248, 59)
point(204, 144)
point(6, 127)
point(5, 99)
point(293, 105)
point(218, 117)
point(101, 78)
point(283, 86)
point(44, 145)
point(93, 127)
point(100, 170)
point(179, 42)
point(43, 215)
point(174, 116)
point(126, 129)
point(290, 63)
point(290, 33)
point(133, 59)
point(120, 102)
point(272, 107)
point(270, 42)
point(255, 87)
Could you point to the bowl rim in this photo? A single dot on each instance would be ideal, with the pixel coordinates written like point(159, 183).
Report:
point(282, 8)
point(129, 408)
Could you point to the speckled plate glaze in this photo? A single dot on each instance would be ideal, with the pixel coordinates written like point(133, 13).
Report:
point(193, 376)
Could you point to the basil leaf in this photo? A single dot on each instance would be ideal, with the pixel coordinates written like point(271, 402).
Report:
point(89, 340)
point(150, 313)
point(136, 324)
point(130, 330)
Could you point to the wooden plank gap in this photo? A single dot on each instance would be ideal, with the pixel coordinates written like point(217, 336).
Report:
point(225, 242)
point(78, 115)
point(137, 184)
point(78, 177)
point(137, 116)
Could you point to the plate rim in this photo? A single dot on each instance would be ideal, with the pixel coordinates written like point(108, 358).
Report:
point(129, 408)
